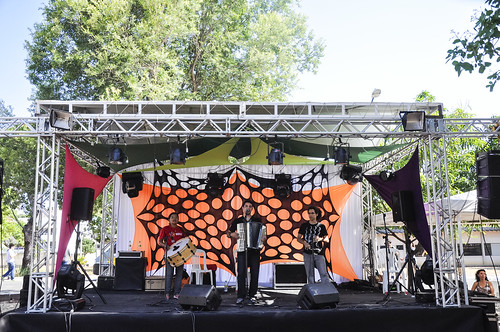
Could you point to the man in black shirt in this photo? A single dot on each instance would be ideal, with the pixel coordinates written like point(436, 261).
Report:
point(312, 234)
point(247, 257)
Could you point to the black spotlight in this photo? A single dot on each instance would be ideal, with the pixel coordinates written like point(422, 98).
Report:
point(386, 175)
point(341, 156)
point(70, 282)
point(103, 171)
point(178, 155)
point(351, 174)
point(215, 184)
point(117, 156)
point(413, 121)
point(132, 183)
point(283, 185)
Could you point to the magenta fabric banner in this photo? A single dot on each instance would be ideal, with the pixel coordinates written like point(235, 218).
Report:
point(74, 177)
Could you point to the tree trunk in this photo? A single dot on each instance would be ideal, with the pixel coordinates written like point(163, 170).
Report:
point(27, 231)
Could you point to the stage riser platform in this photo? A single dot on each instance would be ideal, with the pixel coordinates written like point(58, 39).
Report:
point(391, 319)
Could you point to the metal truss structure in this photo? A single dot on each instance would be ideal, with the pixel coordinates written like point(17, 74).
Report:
point(135, 122)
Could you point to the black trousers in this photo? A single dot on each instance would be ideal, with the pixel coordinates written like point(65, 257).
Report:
point(254, 265)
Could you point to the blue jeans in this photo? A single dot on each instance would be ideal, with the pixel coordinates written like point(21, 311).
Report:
point(169, 274)
point(10, 272)
point(314, 260)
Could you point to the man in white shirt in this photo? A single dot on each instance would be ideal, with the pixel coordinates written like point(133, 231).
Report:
point(10, 262)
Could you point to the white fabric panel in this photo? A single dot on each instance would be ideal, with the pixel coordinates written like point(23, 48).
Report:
point(351, 230)
point(351, 225)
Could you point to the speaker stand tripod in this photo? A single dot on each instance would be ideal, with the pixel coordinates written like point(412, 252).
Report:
point(76, 263)
point(408, 261)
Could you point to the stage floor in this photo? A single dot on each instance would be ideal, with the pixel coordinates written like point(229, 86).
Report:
point(359, 309)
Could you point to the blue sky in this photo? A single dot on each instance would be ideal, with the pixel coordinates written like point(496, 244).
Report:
point(398, 46)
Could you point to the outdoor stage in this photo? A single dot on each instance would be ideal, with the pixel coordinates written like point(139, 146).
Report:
point(359, 309)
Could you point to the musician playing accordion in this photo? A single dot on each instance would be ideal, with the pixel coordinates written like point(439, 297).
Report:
point(312, 234)
point(168, 236)
point(248, 254)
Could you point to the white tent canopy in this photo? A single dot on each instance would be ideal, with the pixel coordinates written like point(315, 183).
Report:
point(463, 206)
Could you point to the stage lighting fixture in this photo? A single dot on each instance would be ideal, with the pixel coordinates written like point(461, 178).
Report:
point(413, 121)
point(275, 157)
point(386, 175)
point(70, 282)
point(283, 185)
point(103, 171)
point(215, 184)
point(178, 155)
point(117, 156)
point(341, 155)
point(275, 153)
point(61, 119)
point(132, 183)
point(351, 174)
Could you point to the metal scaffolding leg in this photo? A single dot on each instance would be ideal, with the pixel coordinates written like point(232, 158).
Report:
point(368, 243)
point(43, 255)
point(108, 232)
point(446, 278)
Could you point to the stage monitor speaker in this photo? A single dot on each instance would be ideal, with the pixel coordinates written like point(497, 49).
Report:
point(317, 296)
point(130, 274)
point(82, 203)
point(488, 208)
point(199, 297)
point(488, 163)
point(402, 206)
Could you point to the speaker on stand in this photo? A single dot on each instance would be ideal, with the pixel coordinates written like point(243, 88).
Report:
point(402, 206)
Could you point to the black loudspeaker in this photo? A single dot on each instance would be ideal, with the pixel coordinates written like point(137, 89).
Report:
point(316, 296)
point(199, 297)
point(402, 206)
point(105, 282)
point(488, 181)
point(82, 204)
point(488, 188)
point(130, 274)
point(488, 208)
point(488, 163)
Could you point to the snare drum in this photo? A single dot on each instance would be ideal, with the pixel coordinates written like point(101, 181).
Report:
point(180, 252)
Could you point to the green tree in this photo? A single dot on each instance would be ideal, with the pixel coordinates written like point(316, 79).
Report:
point(170, 50)
point(479, 50)
point(19, 157)
point(88, 246)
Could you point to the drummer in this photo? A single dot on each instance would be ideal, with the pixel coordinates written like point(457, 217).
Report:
point(169, 235)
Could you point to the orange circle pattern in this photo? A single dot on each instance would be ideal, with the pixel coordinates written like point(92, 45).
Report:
point(207, 218)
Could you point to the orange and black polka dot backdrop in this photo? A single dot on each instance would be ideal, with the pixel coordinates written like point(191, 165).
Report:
point(207, 218)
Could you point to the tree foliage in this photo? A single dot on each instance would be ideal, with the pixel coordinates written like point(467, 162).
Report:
point(479, 50)
point(19, 157)
point(170, 50)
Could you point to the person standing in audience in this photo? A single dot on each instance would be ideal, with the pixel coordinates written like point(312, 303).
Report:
point(482, 284)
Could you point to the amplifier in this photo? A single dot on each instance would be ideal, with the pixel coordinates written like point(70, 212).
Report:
point(289, 275)
point(130, 254)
